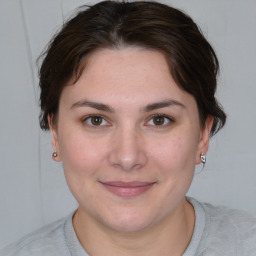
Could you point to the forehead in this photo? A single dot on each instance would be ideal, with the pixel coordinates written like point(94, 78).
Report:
point(130, 75)
point(130, 62)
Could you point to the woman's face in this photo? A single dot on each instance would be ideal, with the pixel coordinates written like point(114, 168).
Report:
point(129, 139)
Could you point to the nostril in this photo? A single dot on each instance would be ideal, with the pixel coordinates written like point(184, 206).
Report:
point(127, 151)
point(128, 161)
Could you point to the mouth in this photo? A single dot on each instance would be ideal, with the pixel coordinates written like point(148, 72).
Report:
point(128, 189)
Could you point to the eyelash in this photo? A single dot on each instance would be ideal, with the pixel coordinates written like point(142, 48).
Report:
point(168, 118)
point(85, 121)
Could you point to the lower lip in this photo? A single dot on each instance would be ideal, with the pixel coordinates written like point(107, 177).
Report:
point(128, 191)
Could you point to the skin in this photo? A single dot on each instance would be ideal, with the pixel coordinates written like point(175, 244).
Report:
point(125, 142)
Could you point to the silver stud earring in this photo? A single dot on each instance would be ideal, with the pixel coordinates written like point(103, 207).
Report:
point(203, 158)
point(54, 154)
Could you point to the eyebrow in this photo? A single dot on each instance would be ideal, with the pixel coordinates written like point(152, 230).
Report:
point(147, 108)
point(163, 104)
point(91, 104)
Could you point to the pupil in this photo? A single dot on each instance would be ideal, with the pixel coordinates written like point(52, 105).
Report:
point(158, 120)
point(97, 120)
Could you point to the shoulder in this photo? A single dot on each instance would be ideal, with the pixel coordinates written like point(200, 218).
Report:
point(49, 240)
point(230, 230)
point(228, 219)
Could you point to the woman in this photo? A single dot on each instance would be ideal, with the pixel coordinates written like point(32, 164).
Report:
point(127, 90)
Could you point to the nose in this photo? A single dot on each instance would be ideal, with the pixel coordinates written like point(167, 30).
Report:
point(128, 152)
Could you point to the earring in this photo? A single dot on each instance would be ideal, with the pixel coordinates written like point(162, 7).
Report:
point(54, 154)
point(203, 158)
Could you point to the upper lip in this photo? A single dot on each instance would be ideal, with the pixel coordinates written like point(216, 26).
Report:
point(127, 184)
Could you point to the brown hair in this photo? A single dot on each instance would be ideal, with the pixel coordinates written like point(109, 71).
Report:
point(110, 24)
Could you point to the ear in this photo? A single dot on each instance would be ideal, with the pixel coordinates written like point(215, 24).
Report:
point(55, 143)
point(204, 138)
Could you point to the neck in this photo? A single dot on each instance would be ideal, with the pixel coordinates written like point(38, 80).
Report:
point(171, 236)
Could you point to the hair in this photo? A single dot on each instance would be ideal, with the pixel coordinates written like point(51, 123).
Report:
point(150, 25)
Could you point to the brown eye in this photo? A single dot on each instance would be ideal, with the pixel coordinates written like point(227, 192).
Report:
point(96, 120)
point(159, 120)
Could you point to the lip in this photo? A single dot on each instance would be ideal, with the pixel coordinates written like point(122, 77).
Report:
point(128, 189)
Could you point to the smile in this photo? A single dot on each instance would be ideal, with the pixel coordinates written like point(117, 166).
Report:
point(127, 189)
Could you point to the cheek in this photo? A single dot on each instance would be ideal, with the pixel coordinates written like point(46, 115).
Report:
point(176, 155)
point(80, 155)
point(82, 159)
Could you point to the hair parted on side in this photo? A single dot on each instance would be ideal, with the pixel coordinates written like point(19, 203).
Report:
point(151, 25)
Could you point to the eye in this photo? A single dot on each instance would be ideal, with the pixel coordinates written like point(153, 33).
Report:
point(95, 120)
point(160, 120)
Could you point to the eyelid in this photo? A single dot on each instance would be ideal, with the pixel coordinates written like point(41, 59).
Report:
point(84, 121)
point(170, 119)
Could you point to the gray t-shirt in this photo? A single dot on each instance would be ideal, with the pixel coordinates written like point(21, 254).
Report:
point(218, 232)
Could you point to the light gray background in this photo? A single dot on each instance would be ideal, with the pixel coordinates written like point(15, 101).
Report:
point(33, 191)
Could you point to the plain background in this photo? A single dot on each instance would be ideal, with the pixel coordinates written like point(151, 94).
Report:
point(33, 191)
